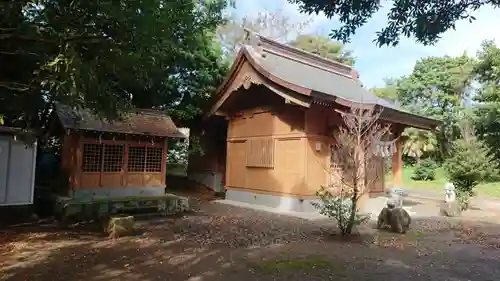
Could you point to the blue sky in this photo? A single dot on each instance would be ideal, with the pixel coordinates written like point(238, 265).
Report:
point(373, 63)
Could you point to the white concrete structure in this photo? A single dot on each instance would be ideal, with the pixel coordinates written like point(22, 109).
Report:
point(17, 169)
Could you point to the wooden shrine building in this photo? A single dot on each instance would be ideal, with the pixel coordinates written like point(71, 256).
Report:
point(268, 136)
point(101, 158)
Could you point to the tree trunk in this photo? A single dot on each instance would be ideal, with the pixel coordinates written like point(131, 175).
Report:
point(352, 215)
point(358, 184)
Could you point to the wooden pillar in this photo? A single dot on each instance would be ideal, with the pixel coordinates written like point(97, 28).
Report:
point(78, 170)
point(164, 163)
point(397, 164)
point(125, 163)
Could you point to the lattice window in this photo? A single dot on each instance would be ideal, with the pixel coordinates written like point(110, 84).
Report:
point(260, 153)
point(136, 158)
point(113, 158)
point(154, 158)
point(92, 157)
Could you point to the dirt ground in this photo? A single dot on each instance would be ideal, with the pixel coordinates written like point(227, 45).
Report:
point(221, 242)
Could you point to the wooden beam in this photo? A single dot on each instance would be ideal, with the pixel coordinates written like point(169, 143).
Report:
point(289, 98)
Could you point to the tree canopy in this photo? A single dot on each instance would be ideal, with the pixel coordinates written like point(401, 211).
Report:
point(323, 46)
point(108, 56)
point(388, 92)
point(424, 20)
point(438, 87)
point(487, 109)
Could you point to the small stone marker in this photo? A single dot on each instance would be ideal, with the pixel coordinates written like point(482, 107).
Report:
point(449, 192)
point(450, 207)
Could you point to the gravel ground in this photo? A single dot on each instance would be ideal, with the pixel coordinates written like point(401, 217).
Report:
point(222, 242)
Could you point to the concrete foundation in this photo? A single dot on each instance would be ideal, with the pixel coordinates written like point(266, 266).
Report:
point(116, 192)
point(208, 178)
point(280, 203)
point(300, 207)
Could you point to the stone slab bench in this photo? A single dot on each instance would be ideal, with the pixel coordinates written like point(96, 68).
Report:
point(78, 210)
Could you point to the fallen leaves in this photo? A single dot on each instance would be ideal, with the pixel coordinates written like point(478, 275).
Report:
point(176, 246)
point(473, 235)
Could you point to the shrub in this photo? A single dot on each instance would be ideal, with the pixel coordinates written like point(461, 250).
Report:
point(178, 152)
point(425, 171)
point(463, 199)
point(339, 209)
point(469, 164)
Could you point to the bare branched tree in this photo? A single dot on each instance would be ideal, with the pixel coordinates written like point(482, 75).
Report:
point(274, 25)
point(353, 160)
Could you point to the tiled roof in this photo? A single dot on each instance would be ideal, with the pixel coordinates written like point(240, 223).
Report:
point(138, 122)
point(323, 77)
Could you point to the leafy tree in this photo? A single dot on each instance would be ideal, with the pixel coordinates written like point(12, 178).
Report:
point(108, 56)
point(389, 91)
point(487, 109)
point(323, 46)
point(438, 87)
point(275, 25)
point(424, 20)
point(469, 164)
point(418, 142)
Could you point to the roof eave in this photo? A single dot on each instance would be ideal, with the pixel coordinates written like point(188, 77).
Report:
point(227, 81)
point(409, 119)
point(244, 55)
point(15, 130)
point(387, 113)
point(168, 135)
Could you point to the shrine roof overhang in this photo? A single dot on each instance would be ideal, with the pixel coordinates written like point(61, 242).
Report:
point(145, 122)
point(301, 78)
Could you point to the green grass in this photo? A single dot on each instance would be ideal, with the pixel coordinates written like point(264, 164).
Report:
point(305, 265)
point(491, 189)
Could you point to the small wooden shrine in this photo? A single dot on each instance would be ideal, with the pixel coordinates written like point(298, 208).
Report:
point(102, 158)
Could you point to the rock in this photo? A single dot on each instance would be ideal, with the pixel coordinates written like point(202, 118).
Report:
point(120, 226)
point(384, 218)
point(395, 218)
point(400, 220)
point(184, 204)
point(450, 209)
point(174, 205)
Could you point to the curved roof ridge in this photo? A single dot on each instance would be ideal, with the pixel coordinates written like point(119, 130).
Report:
point(306, 78)
point(255, 38)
